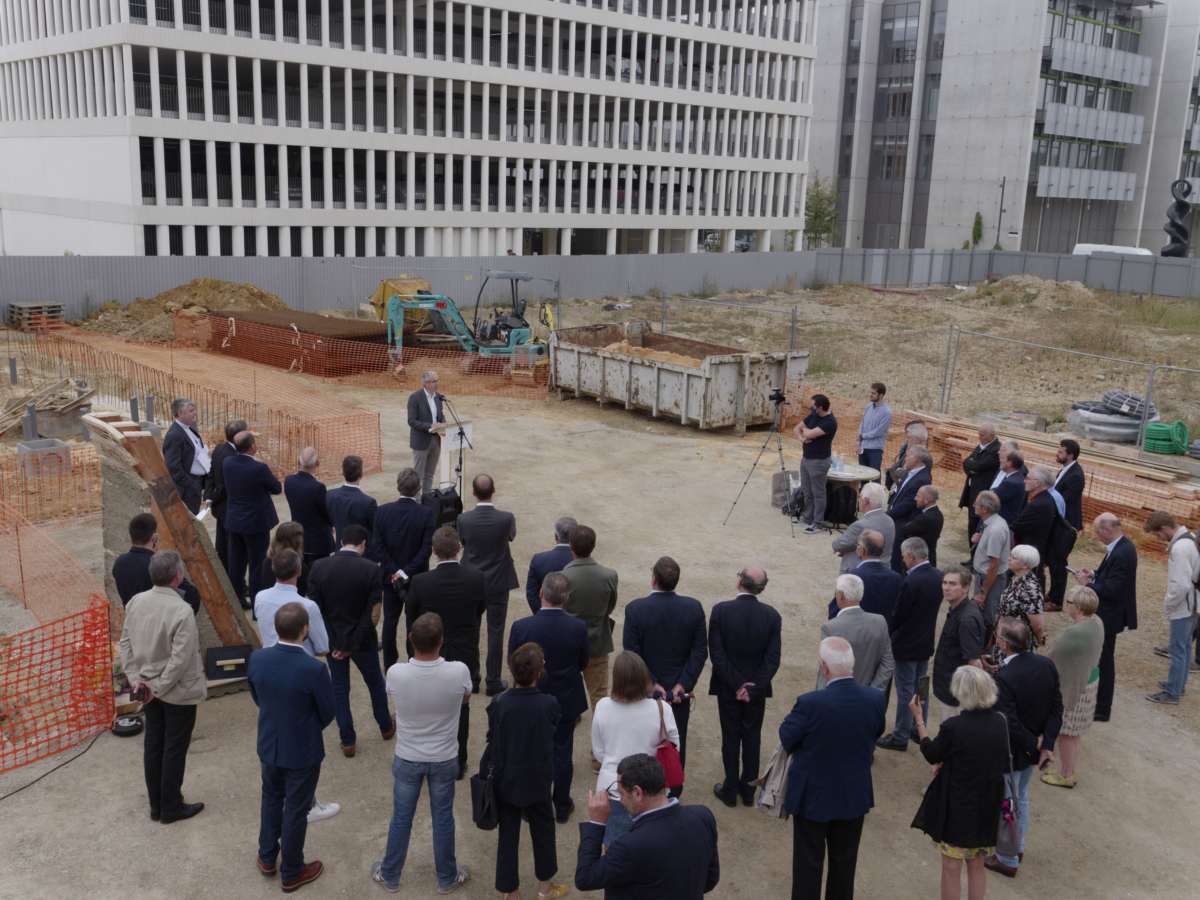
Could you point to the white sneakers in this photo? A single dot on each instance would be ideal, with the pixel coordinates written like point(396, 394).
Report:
point(321, 811)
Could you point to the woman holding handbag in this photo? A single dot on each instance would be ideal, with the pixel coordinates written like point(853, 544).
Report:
point(970, 759)
point(521, 725)
point(626, 722)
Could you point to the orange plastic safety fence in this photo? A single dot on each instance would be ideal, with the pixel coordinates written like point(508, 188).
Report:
point(360, 363)
point(53, 490)
point(55, 679)
point(1108, 489)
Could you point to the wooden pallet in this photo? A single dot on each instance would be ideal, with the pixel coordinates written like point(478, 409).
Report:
point(30, 315)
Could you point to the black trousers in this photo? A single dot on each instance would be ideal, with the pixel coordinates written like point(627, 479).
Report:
point(497, 615)
point(541, 831)
point(1108, 674)
point(464, 732)
point(310, 558)
point(972, 527)
point(809, 840)
point(393, 606)
point(168, 734)
point(247, 550)
point(564, 765)
point(682, 711)
point(741, 741)
point(223, 545)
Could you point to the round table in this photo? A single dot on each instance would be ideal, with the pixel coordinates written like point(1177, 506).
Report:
point(853, 474)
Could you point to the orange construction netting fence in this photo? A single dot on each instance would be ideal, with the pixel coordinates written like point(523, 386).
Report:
point(56, 684)
point(1129, 497)
point(53, 490)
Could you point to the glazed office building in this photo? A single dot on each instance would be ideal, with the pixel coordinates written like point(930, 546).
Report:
point(330, 127)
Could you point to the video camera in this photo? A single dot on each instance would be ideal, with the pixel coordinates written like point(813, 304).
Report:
point(776, 397)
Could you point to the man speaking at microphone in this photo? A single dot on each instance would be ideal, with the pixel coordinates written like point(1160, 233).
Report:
point(424, 412)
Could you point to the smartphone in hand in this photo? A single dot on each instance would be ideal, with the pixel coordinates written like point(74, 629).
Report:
point(923, 688)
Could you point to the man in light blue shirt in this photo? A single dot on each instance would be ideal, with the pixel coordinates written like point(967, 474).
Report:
point(873, 431)
point(286, 566)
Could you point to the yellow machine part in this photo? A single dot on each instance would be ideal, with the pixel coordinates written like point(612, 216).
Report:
point(414, 319)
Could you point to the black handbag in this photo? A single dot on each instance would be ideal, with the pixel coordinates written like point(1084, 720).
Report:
point(484, 811)
point(1008, 829)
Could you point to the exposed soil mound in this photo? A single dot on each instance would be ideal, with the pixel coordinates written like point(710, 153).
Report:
point(149, 318)
point(660, 355)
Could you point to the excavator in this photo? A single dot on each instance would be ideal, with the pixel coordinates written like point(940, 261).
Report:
point(502, 342)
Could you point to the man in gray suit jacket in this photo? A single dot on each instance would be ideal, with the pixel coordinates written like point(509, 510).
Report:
point(593, 598)
point(486, 533)
point(872, 500)
point(866, 633)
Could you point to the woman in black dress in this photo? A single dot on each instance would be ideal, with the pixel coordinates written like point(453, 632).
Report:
point(961, 808)
point(521, 725)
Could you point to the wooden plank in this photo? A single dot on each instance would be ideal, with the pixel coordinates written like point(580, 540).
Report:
point(152, 468)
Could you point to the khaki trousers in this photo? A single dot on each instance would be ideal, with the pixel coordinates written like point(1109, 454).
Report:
point(595, 676)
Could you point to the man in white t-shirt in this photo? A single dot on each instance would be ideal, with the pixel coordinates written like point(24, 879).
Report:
point(428, 693)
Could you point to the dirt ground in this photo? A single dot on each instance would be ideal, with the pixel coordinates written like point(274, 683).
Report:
point(648, 488)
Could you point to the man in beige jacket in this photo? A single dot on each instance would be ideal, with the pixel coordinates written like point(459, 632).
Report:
point(160, 653)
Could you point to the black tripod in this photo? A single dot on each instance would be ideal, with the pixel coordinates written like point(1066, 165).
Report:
point(462, 439)
point(777, 398)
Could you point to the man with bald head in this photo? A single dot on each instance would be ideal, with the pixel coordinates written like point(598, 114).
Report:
point(980, 468)
point(1115, 583)
point(424, 412)
point(744, 646)
point(249, 513)
point(306, 503)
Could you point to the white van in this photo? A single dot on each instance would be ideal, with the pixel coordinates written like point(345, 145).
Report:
point(1089, 249)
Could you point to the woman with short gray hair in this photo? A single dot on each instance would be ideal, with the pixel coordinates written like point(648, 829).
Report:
point(1023, 598)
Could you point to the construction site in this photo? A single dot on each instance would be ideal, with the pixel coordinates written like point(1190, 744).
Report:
point(641, 416)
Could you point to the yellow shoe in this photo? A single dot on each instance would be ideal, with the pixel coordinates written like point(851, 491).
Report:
point(1056, 779)
point(556, 891)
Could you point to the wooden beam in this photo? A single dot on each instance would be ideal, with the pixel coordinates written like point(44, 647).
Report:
point(152, 468)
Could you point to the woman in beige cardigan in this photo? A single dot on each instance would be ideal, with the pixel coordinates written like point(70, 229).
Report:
point(1077, 655)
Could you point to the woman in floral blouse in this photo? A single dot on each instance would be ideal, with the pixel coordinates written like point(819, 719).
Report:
point(1023, 598)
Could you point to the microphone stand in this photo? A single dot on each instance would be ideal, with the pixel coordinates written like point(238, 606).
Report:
point(462, 439)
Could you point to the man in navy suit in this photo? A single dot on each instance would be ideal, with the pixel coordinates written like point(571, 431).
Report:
point(250, 514)
point(903, 508)
point(927, 524)
point(744, 645)
point(564, 642)
point(670, 853)
point(1115, 583)
point(187, 459)
point(306, 504)
point(881, 586)
point(1010, 486)
point(350, 505)
point(214, 487)
point(1069, 483)
point(914, 621)
point(295, 704)
point(549, 561)
point(424, 412)
point(831, 734)
point(402, 540)
point(667, 631)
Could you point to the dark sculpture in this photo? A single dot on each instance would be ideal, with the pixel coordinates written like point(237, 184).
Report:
point(1178, 213)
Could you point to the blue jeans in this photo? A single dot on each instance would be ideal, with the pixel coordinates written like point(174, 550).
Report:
point(872, 459)
point(287, 795)
point(1179, 645)
point(906, 675)
point(1022, 810)
point(406, 791)
point(619, 821)
point(367, 662)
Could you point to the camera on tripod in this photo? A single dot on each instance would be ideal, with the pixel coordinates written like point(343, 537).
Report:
point(776, 397)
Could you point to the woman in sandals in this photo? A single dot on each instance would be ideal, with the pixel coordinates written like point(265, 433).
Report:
point(1077, 655)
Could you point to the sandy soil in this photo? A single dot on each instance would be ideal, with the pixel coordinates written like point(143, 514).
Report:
point(649, 488)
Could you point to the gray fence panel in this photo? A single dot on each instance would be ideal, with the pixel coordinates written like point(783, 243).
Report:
point(1006, 264)
point(1171, 277)
point(1137, 274)
point(981, 264)
point(1193, 289)
point(1072, 268)
point(1103, 272)
point(1042, 265)
point(899, 267)
point(922, 267)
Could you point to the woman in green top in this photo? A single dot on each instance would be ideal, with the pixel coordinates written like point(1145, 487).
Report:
point(1077, 655)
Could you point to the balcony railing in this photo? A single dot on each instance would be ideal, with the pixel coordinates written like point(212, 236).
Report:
point(164, 13)
point(312, 29)
point(216, 16)
point(174, 189)
point(168, 100)
point(195, 102)
point(266, 23)
point(220, 104)
point(295, 191)
point(245, 107)
point(199, 189)
point(270, 109)
point(271, 191)
point(137, 12)
point(142, 104)
point(336, 31)
point(241, 20)
point(249, 195)
point(291, 27)
point(292, 111)
point(224, 189)
point(318, 192)
point(148, 188)
point(378, 37)
point(357, 34)
point(191, 15)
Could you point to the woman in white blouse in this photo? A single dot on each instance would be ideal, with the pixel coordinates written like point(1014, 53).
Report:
point(627, 722)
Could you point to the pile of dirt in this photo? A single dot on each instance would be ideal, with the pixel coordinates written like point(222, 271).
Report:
point(659, 355)
point(149, 318)
point(1029, 290)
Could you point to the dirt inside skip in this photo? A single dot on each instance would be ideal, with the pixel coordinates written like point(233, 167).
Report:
point(660, 355)
point(149, 318)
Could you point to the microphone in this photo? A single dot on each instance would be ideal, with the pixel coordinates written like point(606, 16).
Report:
point(442, 397)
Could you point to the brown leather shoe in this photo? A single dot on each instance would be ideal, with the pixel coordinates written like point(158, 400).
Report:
point(1052, 607)
point(311, 872)
point(391, 732)
point(996, 866)
point(262, 867)
point(349, 751)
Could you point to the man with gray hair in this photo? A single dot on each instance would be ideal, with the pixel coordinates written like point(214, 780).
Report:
point(548, 561)
point(187, 459)
point(980, 468)
point(160, 655)
point(306, 504)
point(871, 515)
point(927, 524)
point(866, 633)
point(993, 543)
point(424, 413)
point(915, 435)
point(1033, 525)
point(903, 508)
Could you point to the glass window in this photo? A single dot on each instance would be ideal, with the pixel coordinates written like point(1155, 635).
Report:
point(845, 156)
point(937, 35)
point(855, 50)
point(933, 88)
point(850, 101)
point(925, 157)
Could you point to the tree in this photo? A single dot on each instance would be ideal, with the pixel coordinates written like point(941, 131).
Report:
point(821, 226)
point(977, 231)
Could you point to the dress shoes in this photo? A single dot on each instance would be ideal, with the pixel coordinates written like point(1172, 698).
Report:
point(311, 872)
point(155, 814)
point(891, 742)
point(185, 811)
point(498, 688)
point(348, 751)
point(748, 799)
point(995, 865)
point(914, 737)
point(563, 817)
point(1101, 717)
point(724, 796)
point(267, 871)
point(1052, 607)
point(391, 732)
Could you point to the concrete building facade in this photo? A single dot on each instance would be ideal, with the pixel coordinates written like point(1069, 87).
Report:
point(402, 127)
point(1058, 122)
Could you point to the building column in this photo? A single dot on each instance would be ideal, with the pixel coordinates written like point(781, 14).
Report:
point(564, 242)
point(206, 70)
point(210, 182)
point(239, 231)
point(189, 239)
point(260, 180)
point(254, 22)
point(155, 85)
point(110, 93)
point(729, 240)
point(389, 24)
point(369, 237)
point(327, 183)
point(448, 233)
point(256, 86)
point(326, 99)
point(610, 248)
point(410, 232)
point(164, 240)
point(160, 173)
point(185, 176)
point(306, 238)
point(764, 240)
point(370, 179)
point(654, 240)
point(369, 105)
point(389, 237)
point(328, 241)
point(284, 182)
point(691, 242)
point(305, 118)
point(410, 192)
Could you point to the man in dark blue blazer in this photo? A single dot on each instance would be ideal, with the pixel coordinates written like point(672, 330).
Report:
point(1070, 482)
point(548, 561)
point(1115, 583)
point(306, 504)
point(831, 734)
point(670, 853)
point(881, 586)
point(564, 642)
point(214, 487)
point(1011, 487)
point(249, 514)
point(903, 508)
point(744, 645)
point(351, 505)
point(667, 631)
point(402, 540)
point(295, 704)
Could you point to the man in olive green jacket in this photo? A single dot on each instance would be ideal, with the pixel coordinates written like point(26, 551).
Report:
point(160, 653)
point(592, 598)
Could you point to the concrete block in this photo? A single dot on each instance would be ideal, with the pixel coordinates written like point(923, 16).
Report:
point(1028, 421)
point(38, 459)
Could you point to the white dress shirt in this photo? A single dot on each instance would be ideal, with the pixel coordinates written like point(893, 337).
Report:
point(202, 461)
point(1062, 472)
point(432, 401)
